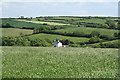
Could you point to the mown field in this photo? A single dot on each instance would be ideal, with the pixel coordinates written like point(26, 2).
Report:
point(14, 31)
point(53, 37)
point(44, 62)
point(41, 22)
point(88, 30)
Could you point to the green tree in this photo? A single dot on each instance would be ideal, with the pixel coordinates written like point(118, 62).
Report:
point(95, 33)
point(94, 39)
point(111, 24)
point(115, 34)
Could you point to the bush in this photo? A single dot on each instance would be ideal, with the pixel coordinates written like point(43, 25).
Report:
point(20, 41)
point(94, 39)
point(15, 41)
point(95, 33)
point(106, 37)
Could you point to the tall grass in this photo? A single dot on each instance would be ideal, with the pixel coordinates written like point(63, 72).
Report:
point(43, 62)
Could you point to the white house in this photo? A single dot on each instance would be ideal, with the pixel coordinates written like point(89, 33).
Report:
point(57, 43)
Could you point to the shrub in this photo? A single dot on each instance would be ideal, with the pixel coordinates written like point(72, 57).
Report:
point(95, 33)
point(94, 39)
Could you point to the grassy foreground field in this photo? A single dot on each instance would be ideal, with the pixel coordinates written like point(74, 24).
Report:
point(44, 62)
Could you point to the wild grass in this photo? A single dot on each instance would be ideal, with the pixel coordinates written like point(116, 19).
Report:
point(44, 62)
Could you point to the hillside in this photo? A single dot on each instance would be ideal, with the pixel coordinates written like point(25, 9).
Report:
point(73, 31)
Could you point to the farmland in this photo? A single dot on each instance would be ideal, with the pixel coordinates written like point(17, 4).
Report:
point(44, 62)
point(53, 37)
point(87, 30)
point(20, 24)
point(27, 50)
point(41, 22)
point(82, 31)
point(108, 42)
point(58, 19)
point(14, 31)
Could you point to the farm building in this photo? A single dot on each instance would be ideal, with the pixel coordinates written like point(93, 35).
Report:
point(58, 44)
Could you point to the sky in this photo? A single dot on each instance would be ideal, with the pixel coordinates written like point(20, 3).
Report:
point(35, 8)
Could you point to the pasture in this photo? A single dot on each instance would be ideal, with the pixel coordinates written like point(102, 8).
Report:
point(14, 31)
point(41, 22)
point(88, 30)
point(92, 20)
point(44, 62)
point(21, 24)
point(53, 37)
point(113, 41)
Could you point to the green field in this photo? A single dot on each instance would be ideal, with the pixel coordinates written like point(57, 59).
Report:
point(41, 22)
point(88, 30)
point(14, 31)
point(53, 37)
point(44, 62)
point(113, 41)
point(21, 24)
point(92, 20)
point(101, 21)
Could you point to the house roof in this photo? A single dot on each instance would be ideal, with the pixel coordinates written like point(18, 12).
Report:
point(56, 42)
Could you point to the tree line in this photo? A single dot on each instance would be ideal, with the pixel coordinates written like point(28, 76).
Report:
point(21, 41)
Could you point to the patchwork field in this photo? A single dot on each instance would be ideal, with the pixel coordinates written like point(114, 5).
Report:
point(14, 31)
point(44, 62)
point(92, 20)
point(41, 22)
point(53, 37)
point(88, 30)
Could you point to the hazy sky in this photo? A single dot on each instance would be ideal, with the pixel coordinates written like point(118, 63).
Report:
point(36, 8)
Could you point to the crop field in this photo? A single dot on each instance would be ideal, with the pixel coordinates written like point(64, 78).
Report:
point(14, 31)
point(113, 41)
point(44, 62)
point(53, 37)
point(101, 21)
point(20, 24)
point(87, 30)
point(41, 22)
